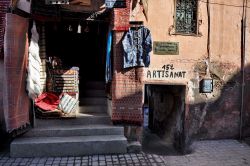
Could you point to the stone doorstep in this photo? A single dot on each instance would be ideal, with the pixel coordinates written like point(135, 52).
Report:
point(134, 147)
point(75, 130)
point(247, 140)
point(93, 109)
point(81, 119)
point(68, 146)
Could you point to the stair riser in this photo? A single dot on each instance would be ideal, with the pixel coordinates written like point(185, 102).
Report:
point(65, 122)
point(93, 101)
point(68, 149)
point(93, 109)
point(75, 132)
point(94, 93)
point(95, 85)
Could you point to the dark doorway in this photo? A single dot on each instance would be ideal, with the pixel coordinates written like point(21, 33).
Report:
point(164, 132)
point(81, 46)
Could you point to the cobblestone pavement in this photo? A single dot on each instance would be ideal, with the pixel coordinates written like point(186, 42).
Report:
point(206, 153)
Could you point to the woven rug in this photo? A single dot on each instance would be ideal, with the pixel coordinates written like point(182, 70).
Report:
point(127, 88)
point(16, 101)
point(121, 17)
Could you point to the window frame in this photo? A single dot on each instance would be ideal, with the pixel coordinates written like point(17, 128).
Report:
point(197, 22)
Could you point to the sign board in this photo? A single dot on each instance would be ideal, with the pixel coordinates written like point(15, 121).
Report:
point(166, 48)
point(115, 3)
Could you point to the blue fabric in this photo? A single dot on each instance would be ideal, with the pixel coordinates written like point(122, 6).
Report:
point(115, 3)
point(137, 45)
point(108, 72)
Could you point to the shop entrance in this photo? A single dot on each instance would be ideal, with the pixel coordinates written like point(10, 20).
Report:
point(164, 119)
point(79, 45)
point(75, 69)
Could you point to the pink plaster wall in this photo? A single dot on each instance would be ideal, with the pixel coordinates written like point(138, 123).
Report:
point(218, 112)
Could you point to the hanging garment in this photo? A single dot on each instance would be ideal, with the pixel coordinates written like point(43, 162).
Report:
point(16, 101)
point(137, 44)
point(33, 79)
point(108, 72)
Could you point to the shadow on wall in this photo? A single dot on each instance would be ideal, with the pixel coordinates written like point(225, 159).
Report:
point(218, 115)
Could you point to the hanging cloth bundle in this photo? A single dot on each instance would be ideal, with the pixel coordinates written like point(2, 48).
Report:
point(34, 63)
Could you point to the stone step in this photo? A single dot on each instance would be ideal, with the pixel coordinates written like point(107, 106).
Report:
point(247, 140)
point(67, 146)
point(75, 130)
point(81, 119)
point(93, 101)
point(94, 93)
point(93, 109)
point(95, 85)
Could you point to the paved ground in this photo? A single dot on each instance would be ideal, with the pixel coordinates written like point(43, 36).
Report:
point(206, 153)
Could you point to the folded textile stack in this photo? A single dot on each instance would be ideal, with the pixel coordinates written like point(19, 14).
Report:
point(65, 81)
point(49, 114)
point(63, 91)
point(68, 104)
point(52, 105)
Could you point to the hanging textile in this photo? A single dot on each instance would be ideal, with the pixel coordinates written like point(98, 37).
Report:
point(3, 10)
point(34, 63)
point(137, 45)
point(127, 88)
point(108, 72)
point(121, 17)
point(47, 101)
point(42, 54)
point(1, 96)
point(16, 101)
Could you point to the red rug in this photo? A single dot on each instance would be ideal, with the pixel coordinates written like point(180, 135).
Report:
point(121, 17)
point(127, 88)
